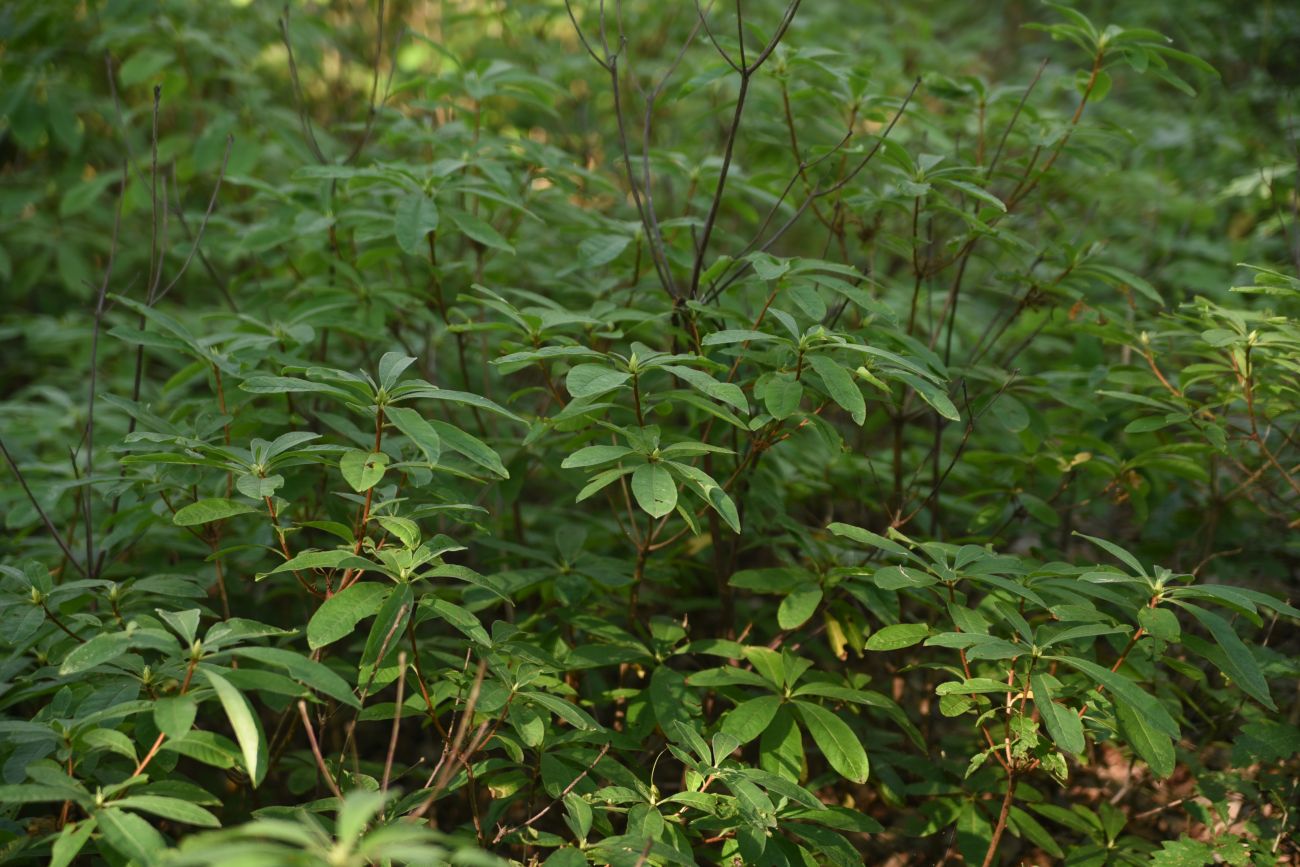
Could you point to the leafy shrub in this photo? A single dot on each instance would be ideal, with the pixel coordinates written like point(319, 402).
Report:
point(438, 433)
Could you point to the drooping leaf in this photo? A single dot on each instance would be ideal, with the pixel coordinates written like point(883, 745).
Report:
point(1062, 723)
point(843, 390)
point(1239, 663)
point(248, 731)
point(1156, 748)
point(420, 432)
point(838, 743)
point(1126, 690)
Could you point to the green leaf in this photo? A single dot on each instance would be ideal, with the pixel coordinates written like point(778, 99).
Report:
point(590, 380)
point(1062, 723)
point(391, 365)
point(71, 841)
point(591, 456)
point(144, 65)
point(721, 338)
point(281, 384)
point(110, 740)
point(481, 231)
point(565, 710)
point(33, 793)
point(780, 749)
point(866, 537)
point(458, 617)
point(974, 192)
point(750, 718)
point(1160, 622)
point(173, 809)
point(798, 606)
point(248, 731)
point(406, 530)
point(362, 470)
point(897, 637)
point(207, 511)
point(566, 856)
point(307, 671)
point(415, 216)
point(838, 743)
point(174, 715)
point(1125, 690)
point(97, 651)
point(386, 632)
point(1028, 827)
point(654, 489)
point(258, 487)
point(931, 394)
point(471, 447)
point(1156, 748)
point(420, 432)
point(597, 250)
point(729, 675)
point(726, 392)
point(1121, 277)
point(1184, 852)
point(767, 266)
point(331, 559)
point(970, 686)
point(782, 395)
point(1117, 552)
point(82, 196)
point(1239, 663)
point(841, 386)
point(207, 747)
point(183, 623)
point(130, 836)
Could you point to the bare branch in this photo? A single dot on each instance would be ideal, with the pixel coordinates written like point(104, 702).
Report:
point(207, 215)
point(45, 519)
point(582, 37)
point(739, 67)
point(711, 219)
point(304, 120)
point(740, 33)
point(776, 38)
point(315, 751)
point(727, 279)
point(504, 832)
point(87, 515)
point(374, 86)
point(397, 722)
point(1015, 115)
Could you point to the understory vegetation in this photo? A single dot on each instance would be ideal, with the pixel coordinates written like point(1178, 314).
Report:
point(649, 433)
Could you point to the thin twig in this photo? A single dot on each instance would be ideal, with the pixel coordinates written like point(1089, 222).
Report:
point(45, 519)
point(94, 374)
point(504, 832)
point(397, 722)
point(203, 225)
point(315, 751)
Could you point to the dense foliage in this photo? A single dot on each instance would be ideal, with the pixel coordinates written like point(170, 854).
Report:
point(649, 433)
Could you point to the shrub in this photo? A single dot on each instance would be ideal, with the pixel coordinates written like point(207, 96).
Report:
point(574, 434)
